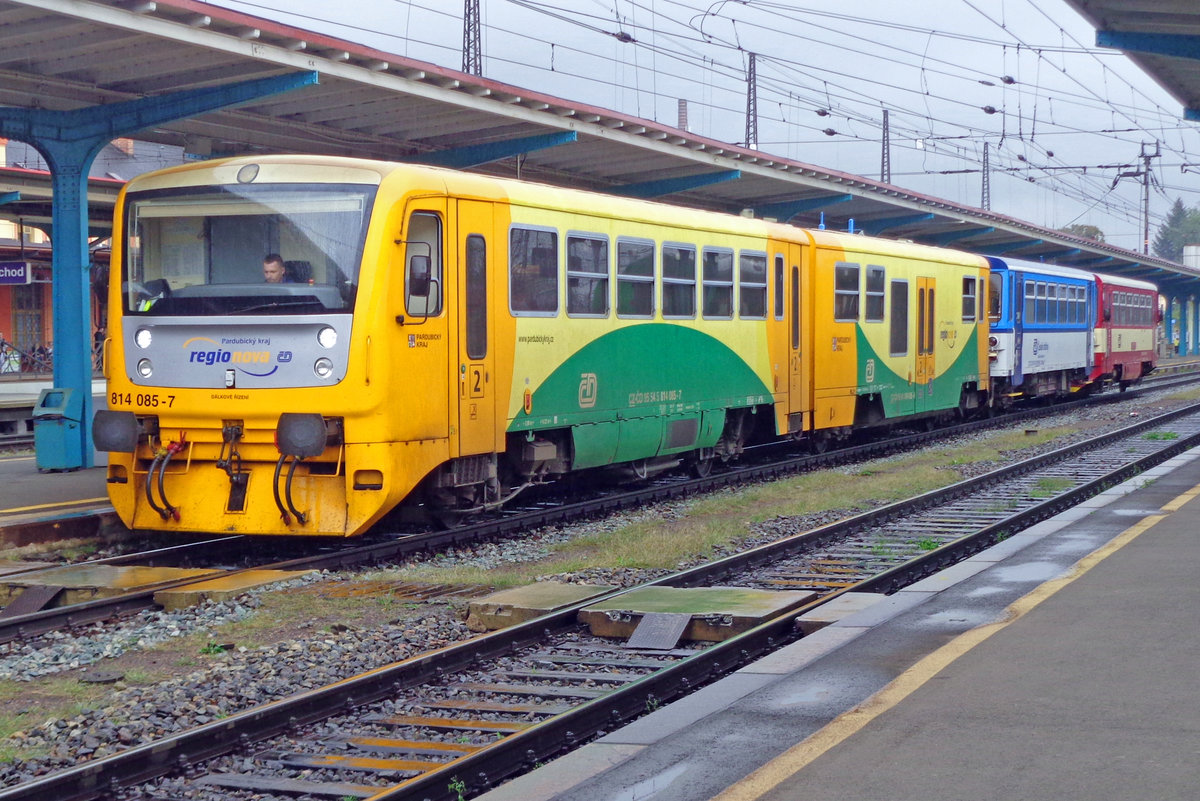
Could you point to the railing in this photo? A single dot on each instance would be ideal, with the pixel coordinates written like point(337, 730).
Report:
point(15, 361)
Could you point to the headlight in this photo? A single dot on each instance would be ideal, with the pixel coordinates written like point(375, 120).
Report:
point(143, 338)
point(327, 337)
point(145, 368)
point(323, 367)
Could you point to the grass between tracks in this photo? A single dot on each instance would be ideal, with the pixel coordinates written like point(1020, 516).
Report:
point(701, 528)
point(724, 519)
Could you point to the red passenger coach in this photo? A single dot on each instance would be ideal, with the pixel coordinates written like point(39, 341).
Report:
point(1126, 329)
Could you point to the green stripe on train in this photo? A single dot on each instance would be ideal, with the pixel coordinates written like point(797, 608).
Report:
point(642, 391)
point(901, 398)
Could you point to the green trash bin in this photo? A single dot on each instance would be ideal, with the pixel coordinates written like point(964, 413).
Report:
point(57, 441)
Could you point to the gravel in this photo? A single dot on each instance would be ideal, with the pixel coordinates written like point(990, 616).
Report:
point(244, 678)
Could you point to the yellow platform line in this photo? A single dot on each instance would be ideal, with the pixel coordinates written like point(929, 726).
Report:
point(17, 509)
point(790, 762)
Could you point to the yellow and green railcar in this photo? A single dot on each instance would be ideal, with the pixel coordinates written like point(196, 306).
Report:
point(446, 339)
point(899, 332)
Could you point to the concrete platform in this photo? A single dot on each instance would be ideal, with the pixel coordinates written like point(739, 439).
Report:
point(844, 605)
point(222, 588)
point(1059, 664)
point(37, 506)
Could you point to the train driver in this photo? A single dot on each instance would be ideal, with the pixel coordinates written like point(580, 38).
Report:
point(274, 271)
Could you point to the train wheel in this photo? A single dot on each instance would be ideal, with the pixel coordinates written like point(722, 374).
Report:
point(819, 441)
point(701, 464)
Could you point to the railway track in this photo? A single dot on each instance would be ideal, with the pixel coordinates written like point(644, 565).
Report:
point(554, 506)
point(456, 721)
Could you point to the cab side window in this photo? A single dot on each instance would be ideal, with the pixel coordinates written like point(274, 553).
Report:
point(423, 280)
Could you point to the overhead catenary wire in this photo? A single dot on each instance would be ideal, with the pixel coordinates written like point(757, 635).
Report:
point(661, 40)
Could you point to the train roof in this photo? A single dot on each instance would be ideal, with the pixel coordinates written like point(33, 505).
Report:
point(1021, 265)
point(1126, 283)
point(1025, 266)
point(289, 168)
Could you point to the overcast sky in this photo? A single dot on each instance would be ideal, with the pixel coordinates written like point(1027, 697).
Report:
point(1061, 119)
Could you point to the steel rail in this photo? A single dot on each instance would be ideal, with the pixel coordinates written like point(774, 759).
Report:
point(519, 751)
point(510, 524)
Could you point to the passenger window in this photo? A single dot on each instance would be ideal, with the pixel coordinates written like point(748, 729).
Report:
point(845, 292)
point(423, 279)
point(968, 300)
point(533, 271)
point(635, 278)
point(779, 287)
point(587, 276)
point(1029, 315)
point(752, 285)
point(718, 284)
point(875, 289)
point(678, 281)
point(898, 341)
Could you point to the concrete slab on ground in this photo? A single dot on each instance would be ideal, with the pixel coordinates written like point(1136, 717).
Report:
point(222, 588)
point(718, 613)
point(84, 582)
point(509, 607)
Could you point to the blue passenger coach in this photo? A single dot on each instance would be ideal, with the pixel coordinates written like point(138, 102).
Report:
point(1041, 329)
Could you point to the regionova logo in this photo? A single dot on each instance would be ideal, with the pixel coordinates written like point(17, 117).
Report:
point(209, 352)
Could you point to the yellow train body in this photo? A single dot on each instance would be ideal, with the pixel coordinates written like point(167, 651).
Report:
point(486, 335)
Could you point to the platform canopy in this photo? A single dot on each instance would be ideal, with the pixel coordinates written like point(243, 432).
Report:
point(1160, 36)
point(68, 54)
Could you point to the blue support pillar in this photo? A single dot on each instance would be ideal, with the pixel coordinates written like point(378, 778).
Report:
point(1195, 326)
point(70, 142)
point(1169, 321)
point(1185, 337)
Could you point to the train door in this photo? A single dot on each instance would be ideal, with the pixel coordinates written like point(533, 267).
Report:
point(926, 316)
point(474, 367)
point(799, 385)
point(423, 254)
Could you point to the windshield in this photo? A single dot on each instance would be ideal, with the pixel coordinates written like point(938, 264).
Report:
point(261, 249)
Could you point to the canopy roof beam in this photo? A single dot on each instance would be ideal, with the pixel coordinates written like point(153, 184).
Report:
point(461, 158)
point(790, 208)
point(669, 186)
point(70, 141)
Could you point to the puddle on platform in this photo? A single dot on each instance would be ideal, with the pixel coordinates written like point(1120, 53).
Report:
point(1030, 571)
point(649, 788)
point(808, 695)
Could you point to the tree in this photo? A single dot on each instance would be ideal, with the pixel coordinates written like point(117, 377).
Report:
point(1182, 227)
point(1085, 231)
